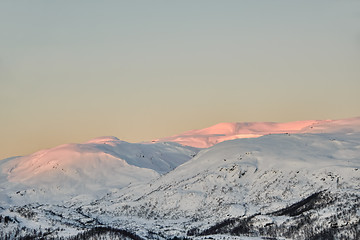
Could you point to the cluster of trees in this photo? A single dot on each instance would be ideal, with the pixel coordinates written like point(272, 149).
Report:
point(22, 233)
point(25, 212)
point(6, 219)
point(304, 220)
point(232, 226)
point(107, 233)
point(98, 233)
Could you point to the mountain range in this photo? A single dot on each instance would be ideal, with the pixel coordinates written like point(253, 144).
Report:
point(204, 138)
point(297, 180)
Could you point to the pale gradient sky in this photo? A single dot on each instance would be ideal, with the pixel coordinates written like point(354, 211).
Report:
point(139, 70)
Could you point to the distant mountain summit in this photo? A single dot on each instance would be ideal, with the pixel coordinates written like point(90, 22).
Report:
point(104, 139)
point(90, 168)
point(207, 137)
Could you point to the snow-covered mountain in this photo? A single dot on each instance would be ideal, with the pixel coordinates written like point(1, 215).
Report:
point(204, 138)
point(298, 180)
point(242, 178)
point(92, 169)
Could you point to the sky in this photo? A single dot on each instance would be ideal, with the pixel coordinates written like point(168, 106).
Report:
point(140, 70)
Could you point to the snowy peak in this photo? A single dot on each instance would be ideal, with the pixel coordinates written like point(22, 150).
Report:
point(255, 127)
point(204, 138)
point(105, 139)
point(92, 168)
point(349, 125)
point(220, 128)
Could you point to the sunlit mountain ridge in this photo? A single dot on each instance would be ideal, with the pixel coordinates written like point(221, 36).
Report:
point(90, 168)
point(297, 180)
point(207, 137)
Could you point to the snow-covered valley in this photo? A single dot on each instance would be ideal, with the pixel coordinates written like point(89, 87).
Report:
point(293, 181)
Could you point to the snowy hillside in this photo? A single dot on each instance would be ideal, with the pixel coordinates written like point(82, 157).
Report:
point(250, 177)
point(204, 138)
point(301, 184)
point(90, 169)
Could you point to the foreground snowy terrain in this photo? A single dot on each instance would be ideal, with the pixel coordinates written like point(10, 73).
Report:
point(296, 183)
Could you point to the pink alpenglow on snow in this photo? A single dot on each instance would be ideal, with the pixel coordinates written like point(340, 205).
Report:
point(207, 137)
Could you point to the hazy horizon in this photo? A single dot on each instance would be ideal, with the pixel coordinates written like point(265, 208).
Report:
point(140, 70)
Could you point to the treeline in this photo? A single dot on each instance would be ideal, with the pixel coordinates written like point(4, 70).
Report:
point(107, 233)
point(304, 220)
point(98, 233)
